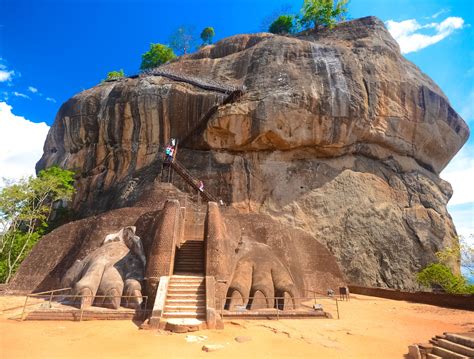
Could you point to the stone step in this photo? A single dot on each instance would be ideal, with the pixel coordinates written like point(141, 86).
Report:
point(433, 356)
point(448, 354)
point(177, 276)
point(186, 286)
point(189, 264)
point(183, 315)
point(466, 339)
point(185, 308)
point(194, 284)
point(455, 347)
point(185, 298)
point(186, 290)
point(185, 281)
point(185, 302)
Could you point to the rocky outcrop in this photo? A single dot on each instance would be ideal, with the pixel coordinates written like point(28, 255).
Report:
point(336, 134)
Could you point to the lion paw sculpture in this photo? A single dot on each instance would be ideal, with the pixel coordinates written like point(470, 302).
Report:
point(112, 272)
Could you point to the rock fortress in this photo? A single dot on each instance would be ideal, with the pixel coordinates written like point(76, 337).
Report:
point(301, 163)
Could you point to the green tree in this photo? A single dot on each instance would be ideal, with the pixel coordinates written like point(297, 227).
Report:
point(182, 41)
point(114, 75)
point(207, 34)
point(25, 209)
point(284, 24)
point(440, 274)
point(325, 13)
point(156, 56)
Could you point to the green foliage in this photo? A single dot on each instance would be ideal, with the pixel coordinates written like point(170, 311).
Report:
point(182, 41)
point(441, 275)
point(114, 75)
point(284, 24)
point(269, 19)
point(207, 34)
point(325, 13)
point(25, 209)
point(156, 56)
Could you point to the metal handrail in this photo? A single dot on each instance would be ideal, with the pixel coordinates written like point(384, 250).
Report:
point(223, 300)
point(51, 295)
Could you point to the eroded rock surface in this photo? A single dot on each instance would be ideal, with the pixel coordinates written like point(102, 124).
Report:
point(336, 134)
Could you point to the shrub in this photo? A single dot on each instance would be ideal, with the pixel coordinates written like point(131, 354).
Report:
point(114, 75)
point(441, 275)
point(282, 25)
point(156, 56)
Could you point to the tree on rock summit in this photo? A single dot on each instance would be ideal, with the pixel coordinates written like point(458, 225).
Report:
point(207, 34)
point(283, 25)
point(325, 13)
point(182, 40)
point(156, 56)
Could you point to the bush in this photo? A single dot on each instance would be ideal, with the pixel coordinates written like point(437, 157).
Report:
point(282, 25)
point(114, 75)
point(441, 275)
point(156, 56)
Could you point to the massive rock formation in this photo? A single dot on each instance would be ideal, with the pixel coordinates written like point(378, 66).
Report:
point(335, 134)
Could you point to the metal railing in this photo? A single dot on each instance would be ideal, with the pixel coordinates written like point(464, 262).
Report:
point(323, 303)
point(50, 297)
point(205, 83)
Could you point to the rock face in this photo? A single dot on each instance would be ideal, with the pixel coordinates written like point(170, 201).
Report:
point(336, 134)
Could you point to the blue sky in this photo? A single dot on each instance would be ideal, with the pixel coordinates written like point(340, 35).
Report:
point(52, 49)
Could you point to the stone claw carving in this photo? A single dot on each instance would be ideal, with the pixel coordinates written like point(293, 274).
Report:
point(260, 277)
point(113, 270)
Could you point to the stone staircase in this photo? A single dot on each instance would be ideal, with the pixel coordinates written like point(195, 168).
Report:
point(448, 345)
point(185, 305)
point(453, 346)
point(189, 258)
point(186, 298)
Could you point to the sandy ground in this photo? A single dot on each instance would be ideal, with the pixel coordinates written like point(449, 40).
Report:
point(369, 328)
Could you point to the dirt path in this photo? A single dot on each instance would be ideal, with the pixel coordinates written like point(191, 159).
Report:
point(369, 328)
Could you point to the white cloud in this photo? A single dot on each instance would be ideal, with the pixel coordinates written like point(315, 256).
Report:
point(6, 75)
point(441, 12)
point(460, 173)
point(408, 32)
point(463, 220)
point(50, 99)
point(32, 89)
point(467, 111)
point(19, 94)
point(21, 143)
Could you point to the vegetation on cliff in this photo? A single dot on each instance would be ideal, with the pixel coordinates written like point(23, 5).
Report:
point(314, 13)
point(327, 13)
point(114, 75)
point(207, 35)
point(25, 210)
point(440, 274)
point(283, 25)
point(156, 56)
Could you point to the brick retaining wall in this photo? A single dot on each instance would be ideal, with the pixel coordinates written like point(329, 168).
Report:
point(456, 301)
